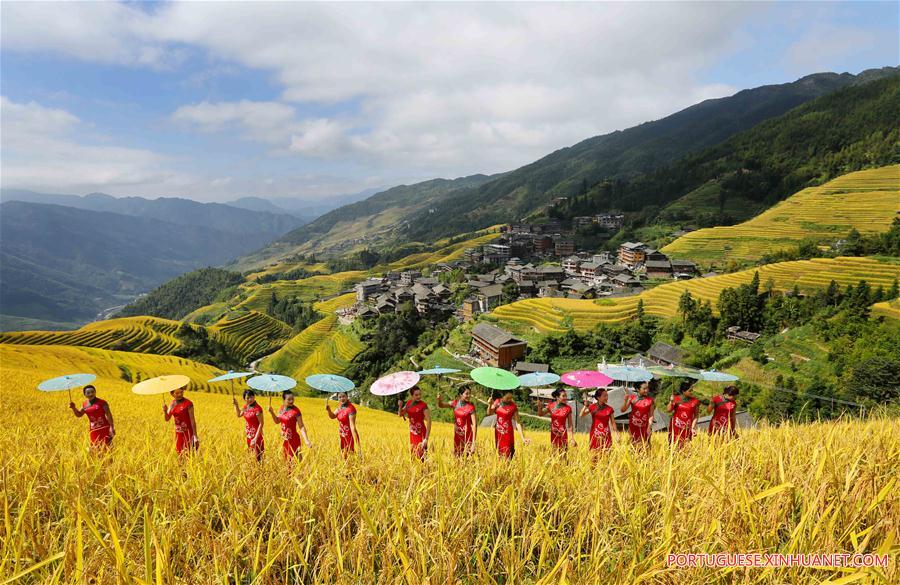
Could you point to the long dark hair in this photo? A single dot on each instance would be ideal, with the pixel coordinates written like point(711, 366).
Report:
point(248, 393)
point(685, 385)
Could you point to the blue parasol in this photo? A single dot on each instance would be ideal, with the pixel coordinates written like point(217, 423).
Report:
point(66, 382)
point(330, 383)
point(627, 373)
point(231, 375)
point(271, 383)
point(437, 371)
point(538, 379)
point(714, 376)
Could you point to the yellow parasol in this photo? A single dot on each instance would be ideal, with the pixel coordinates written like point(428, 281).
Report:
point(161, 384)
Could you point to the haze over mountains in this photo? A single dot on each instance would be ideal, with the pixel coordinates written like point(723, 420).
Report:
point(425, 211)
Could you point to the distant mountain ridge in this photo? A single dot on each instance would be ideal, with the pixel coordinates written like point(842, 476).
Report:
point(268, 225)
point(422, 212)
point(61, 263)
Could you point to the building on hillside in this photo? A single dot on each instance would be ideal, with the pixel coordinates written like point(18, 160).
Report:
point(658, 268)
point(564, 248)
point(582, 221)
point(665, 354)
point(735, 333)
point(492, 295)
point(408, 277)
point(500, 251)
point(570, 264)
point(530, 368)
point(496, 347)
point(610, 221)
point(470, 308)
point(683, 269)
point(590, 269)
point(632, 253)
point(543, 245)
point(368, 288)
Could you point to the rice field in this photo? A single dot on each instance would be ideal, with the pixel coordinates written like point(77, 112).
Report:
point(250, 334)
point(307, 289)
point(445, 253)
point(140, 334)
point(887, 309)
point(866, 200)
point(554, 315)
point(141, 516)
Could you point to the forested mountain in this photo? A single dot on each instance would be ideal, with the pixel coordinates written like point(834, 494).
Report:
point(434, 209)
point(264, 225)
point(183, 294)
point(373, 220)
point(65, 264)
point(771, 127)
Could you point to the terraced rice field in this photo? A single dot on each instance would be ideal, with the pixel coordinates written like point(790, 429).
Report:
point(553, 315)
point(332, 305)
point(307, 289)
point(289, 358)
point(865, 200)
point(117, 366)
point(447, 253)
point(889, 309)
point(139, 334)
point(251, 334)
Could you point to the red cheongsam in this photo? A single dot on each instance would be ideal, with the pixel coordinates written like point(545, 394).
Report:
point(504, 437)
point(559, 432)
point(415, 414)
point(681, 426)
point(289, 434)
point(184, 432)
point(463, 435)
point(251, 416)
point(721, 418)
point(343, 414)
point(641, 418)
point(99, 424)
point(601, 433)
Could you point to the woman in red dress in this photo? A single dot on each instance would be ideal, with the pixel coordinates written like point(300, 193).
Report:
point(684, 408)
point(102, 428)
point(416, 412)
point(346, 417)
point(722, 408)
point(182, 410)
point(292, 427)
point(465, 427)
point(640, 419)
point(602, 424)
point(507, 420)
point(562, 431)
point(252, 413)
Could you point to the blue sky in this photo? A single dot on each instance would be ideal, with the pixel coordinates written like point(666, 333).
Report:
point(218, 100)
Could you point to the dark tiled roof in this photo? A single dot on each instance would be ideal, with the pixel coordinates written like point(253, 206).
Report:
point(494, 335)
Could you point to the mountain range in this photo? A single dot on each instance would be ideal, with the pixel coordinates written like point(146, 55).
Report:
point(427, 211)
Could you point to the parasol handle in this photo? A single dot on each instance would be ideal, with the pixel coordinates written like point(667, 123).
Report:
point(69, 390)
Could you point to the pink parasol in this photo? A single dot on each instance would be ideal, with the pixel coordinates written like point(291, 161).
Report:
point(394, 383)
point(586, 379)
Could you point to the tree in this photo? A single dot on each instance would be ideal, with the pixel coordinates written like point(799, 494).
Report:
point(874, 380)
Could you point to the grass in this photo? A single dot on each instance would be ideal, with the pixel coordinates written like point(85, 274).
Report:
point(866, 200)
point(552, 314)
point(139, 516)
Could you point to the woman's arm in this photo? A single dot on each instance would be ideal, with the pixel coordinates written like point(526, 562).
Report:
point(525, 440)
point(351, 420)
point(671, 405)
point(441, 403)
point(167, 411)
point(259, 429)
point(112, 425)
point(427, 424)
point(328, 411)
point(625, 402)
point(274, 416)
point(401, 409)
point(302, 428)
point(733, 418)
point(194, 424)
point(542, 409)
point(585, 410)
point(474, 417)
point(237, 409)
point(492, 407)
point(79, 412)
point(570, 423)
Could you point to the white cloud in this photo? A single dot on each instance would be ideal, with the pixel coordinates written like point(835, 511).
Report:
point(40, 151)
point(414, 88)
